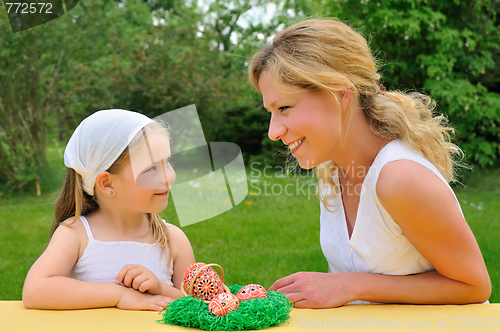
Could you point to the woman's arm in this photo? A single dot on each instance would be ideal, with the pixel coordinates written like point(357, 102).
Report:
point(425, 209)
point(47, 285)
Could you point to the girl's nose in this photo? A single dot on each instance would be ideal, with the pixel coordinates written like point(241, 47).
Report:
point(168, 173)
point(277, 128)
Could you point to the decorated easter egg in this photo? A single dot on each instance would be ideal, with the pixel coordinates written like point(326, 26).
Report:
point(223, 304)
point(190, 273)
point(205, 283)
point(251, 291)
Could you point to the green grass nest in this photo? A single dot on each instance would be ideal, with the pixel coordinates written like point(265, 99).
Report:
point(254, 314)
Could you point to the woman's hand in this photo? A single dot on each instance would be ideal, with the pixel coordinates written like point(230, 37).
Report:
point(134, 300)
point(316, 290)
point(139, 278)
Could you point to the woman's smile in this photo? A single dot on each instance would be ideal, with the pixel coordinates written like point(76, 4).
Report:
point(296, 145)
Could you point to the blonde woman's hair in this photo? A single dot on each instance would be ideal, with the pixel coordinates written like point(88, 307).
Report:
point(325, 55)
point(73, 201)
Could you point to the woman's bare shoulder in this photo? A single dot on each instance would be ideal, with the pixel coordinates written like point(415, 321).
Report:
point(408, 178)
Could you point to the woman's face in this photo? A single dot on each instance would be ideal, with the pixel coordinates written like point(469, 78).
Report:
point(308, 122)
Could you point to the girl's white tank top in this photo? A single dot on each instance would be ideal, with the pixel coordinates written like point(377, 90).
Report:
point(102, 260)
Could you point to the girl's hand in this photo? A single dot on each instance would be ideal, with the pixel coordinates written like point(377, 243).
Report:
point(316, 290)
point(139, 278)
point(134, 300)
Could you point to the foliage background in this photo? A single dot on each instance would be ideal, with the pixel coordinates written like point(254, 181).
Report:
point(158, 55)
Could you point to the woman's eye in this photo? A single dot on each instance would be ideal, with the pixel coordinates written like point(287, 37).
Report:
point(283, 108)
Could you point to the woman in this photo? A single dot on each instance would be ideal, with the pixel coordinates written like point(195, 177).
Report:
point(391, 227)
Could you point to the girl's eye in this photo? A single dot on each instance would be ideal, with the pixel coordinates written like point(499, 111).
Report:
point(283, 108)
point(153, 168)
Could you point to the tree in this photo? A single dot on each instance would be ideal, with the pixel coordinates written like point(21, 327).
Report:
point(37, 67)
point(29, 68)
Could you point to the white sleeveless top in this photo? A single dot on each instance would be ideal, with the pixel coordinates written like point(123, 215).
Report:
point(377, 243)
point(102, 260)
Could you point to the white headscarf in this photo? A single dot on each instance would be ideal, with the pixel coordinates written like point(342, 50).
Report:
point(99, 140)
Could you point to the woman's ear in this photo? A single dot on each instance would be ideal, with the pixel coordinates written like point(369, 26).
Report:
point(346, 98)
point(104, 183)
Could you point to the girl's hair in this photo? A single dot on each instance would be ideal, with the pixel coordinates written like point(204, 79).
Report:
point(325, 55)
point(73, 201)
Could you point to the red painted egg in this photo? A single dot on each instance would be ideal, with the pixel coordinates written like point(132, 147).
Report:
point(251, 291)
point(207, 283)
point(190, 273)
point(223, 304)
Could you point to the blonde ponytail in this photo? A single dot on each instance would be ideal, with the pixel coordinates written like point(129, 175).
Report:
point(410, 117)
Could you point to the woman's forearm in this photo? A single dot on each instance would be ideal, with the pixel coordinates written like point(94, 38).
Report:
point(66, 293)
point(424, 288)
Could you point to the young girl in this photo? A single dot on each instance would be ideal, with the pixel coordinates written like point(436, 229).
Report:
point(109, 247)
point(392, 230)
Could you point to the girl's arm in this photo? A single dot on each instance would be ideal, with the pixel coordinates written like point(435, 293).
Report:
point(182, 256)
point(48, 286)
point(425, 209)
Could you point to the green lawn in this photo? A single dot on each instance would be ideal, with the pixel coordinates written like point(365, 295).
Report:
point(267, 236)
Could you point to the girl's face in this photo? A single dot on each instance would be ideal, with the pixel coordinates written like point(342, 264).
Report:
point(146, 181)
point(307, 122)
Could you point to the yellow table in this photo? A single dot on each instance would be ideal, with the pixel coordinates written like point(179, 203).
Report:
point(372, 317)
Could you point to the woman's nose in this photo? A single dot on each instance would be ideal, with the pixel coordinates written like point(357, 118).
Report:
point(277, 128)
